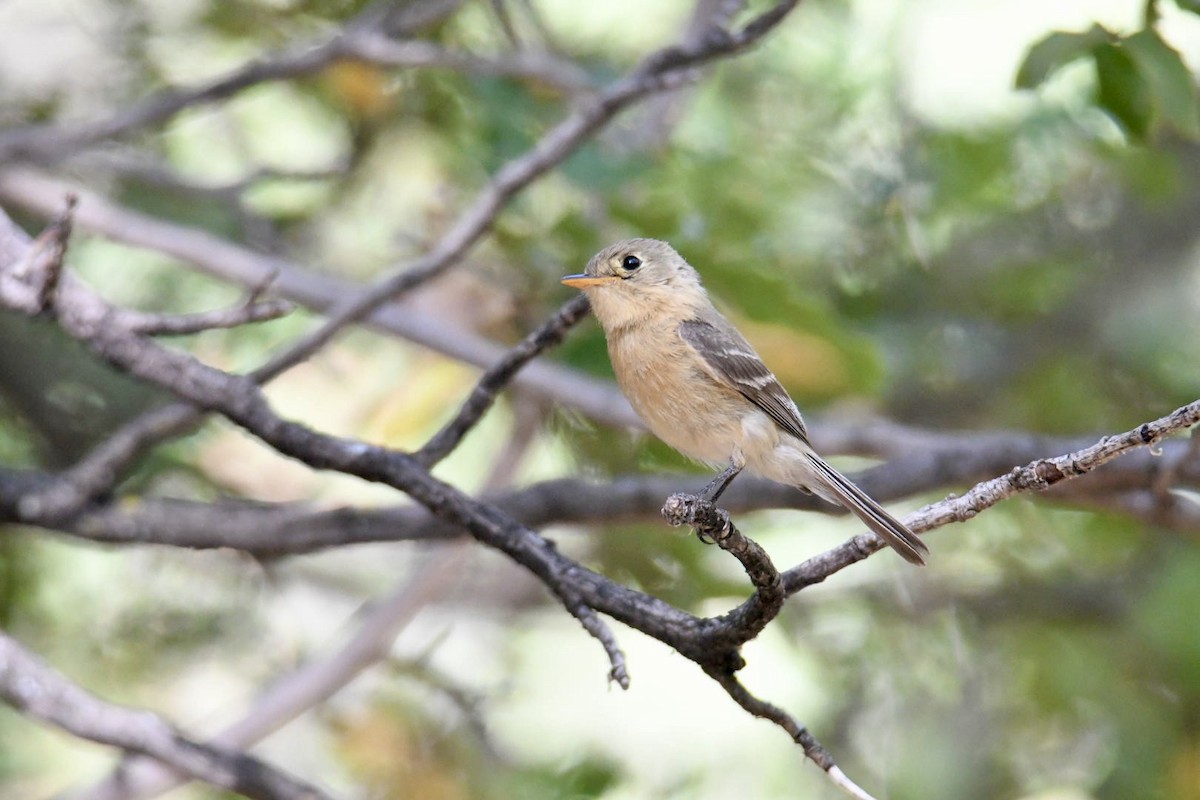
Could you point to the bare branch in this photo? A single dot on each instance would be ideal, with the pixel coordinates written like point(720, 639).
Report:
point(184, 324)
point(499, 375)
point(1038, 475)
point(813, 749)
point(544, 68)
point(49, 142)
point(848, 786)
point(36, 690)
point(591, 622)
point(943, 461)
point(65, 496)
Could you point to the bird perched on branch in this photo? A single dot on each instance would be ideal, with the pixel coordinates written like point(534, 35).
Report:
point(700, 387)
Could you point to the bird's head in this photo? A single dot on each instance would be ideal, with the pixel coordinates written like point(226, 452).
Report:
point(637, 278)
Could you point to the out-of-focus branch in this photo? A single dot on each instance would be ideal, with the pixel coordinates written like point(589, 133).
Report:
point(37, 691)
point(950, 461)
point(184, 324)
point(300, 691)
point(362, 39)
point(660, 115)
point(544, 68)
point(49, 142)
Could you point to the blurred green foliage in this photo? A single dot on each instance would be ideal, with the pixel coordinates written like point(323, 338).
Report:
point(1141, 80)
point(1033, 269)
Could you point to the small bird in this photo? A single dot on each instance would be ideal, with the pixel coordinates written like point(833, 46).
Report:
point(700, 387)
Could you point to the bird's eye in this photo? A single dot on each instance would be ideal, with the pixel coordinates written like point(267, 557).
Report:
point(630, 263)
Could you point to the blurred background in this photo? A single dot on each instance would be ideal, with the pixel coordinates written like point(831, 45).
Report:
point(901, 230)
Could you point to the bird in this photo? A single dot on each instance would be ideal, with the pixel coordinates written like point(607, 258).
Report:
point(699, 386)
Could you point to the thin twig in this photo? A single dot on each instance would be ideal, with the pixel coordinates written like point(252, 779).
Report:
point(1037, 475)
point(618, 671)
point(65, 496)
point(499, 375)
point(185, 324)
point(813, 749)
point(50, 142)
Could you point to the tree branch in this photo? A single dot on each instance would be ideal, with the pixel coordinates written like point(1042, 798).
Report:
point(713, 643)
point(1038, 475)
point(499, 375)
point(375, 48)
point(813, 749)
point(713, 524)
point(186, 324)
point(272, 530)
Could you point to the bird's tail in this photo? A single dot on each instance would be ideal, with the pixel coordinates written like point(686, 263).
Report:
point(892, 530)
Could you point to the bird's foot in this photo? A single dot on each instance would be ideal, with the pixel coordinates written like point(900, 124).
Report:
point(708, 522)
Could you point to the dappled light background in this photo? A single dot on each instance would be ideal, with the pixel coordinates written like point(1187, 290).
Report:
point(901, 232)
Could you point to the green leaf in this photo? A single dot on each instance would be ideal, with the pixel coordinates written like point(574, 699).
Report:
point(1171, 88)
point(1055, 51)
point(1121, 89)
point(1189, 5)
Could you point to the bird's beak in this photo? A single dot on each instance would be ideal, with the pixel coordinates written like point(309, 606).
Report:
point(582, 281)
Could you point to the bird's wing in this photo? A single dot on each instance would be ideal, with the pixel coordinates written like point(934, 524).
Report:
point(734, 362)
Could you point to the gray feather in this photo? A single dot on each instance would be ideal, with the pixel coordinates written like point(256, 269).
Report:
point(891, 530)
point(736, 364)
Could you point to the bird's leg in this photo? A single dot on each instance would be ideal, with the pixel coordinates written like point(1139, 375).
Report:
point(719, 484)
